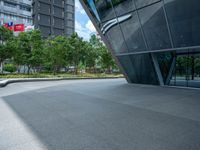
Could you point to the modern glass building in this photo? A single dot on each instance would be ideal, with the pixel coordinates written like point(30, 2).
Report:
point(154, 41)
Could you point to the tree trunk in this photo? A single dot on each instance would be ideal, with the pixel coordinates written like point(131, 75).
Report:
point(76, 69)
point(18, 68)
point(28, 71)
point(54, 70)
point(24, 69)
point(1, 63)
point(193, 69)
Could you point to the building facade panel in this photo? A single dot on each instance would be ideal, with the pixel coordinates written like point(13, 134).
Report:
point(155, 27)
point(124, 7)
point(184, 21)
point(143, 3)
point(105, 10)
point(116, 39)
point(132, 32)
point(139, 68)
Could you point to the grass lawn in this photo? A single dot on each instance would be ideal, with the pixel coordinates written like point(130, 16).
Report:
point(61, 75)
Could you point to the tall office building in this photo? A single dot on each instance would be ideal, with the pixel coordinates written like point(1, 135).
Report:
point(154, 41)
point(16, 11)
point(54, 17)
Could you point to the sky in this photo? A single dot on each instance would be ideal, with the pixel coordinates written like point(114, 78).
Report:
point(83, 25)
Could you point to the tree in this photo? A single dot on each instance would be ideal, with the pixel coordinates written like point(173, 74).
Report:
point(56, 52)
point(91, 56)
point(37, 49)
point(5, 34)
point(76, 52)
point(6, 44)
point(102, 55)
point(107, 61)
point(29, 49)
point(23, 50)
point(197, 65)
point(95, 42)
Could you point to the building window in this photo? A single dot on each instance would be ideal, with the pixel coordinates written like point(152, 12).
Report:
point(26, 8)
point(10, 4)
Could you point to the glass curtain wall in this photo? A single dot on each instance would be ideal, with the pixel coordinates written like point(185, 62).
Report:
point(146, 33)
point(187, 70)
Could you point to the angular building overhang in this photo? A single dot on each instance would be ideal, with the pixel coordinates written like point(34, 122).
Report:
point(146, 37)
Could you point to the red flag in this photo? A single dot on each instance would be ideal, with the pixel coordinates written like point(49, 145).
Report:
point(8, 26)
point(19, 27)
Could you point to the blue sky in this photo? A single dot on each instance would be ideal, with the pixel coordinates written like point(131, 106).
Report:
point(83, 25)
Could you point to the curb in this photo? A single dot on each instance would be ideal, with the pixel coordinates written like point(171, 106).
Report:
point(4, 83)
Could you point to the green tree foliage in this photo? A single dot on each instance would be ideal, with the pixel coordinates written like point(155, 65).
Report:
point(76, 52)
point(95, 42)
point(37, 50)
point(197, 65)
point(56, 53)
point(103, 56)
point(5, 34)
point(6, 44)
point(91, 57)
point(30, 50)
point(23, 53)
point(9, 68)
point(106, 60)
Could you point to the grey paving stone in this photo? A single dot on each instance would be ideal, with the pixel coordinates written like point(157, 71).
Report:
point(96, 115)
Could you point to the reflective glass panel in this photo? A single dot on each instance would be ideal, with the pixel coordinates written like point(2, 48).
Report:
point(184, 21)
point(155, 27)
point(187, 70)
point(165, 62)
point(143, 3)
point(139, 68)
point(132, 33)
point(115, 38)
point(93, 9)
point(105, 10)
point(194, 80)
point(127, 65)
point(123, 6)
point(100, 9)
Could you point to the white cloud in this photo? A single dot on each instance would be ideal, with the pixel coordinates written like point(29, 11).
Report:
point(84, 27)
point(82, 32)
point(79, 8)
point(86, 30)
point(90, 26)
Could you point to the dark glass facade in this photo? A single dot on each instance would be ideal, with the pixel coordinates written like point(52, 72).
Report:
point(155, 41)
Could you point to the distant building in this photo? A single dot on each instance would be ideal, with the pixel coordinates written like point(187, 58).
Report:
point(16, 11)
point(54, 17)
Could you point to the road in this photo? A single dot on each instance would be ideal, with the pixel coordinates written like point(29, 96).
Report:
point(106, 114)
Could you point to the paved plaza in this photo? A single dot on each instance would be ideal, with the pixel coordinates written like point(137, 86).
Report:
point(106, 114)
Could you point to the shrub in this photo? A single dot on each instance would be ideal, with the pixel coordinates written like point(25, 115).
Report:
point(10, 68)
